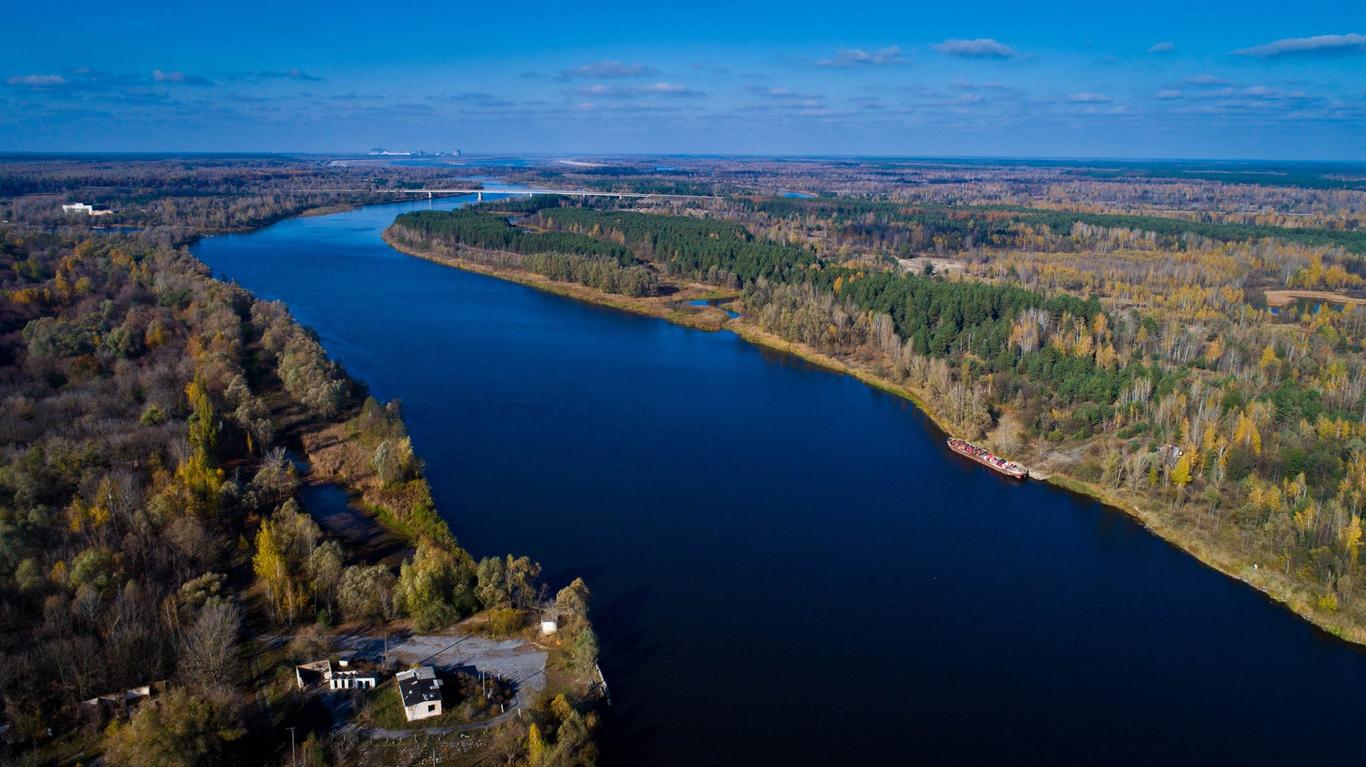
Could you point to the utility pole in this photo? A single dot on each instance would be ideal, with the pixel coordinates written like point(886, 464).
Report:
point(293, 755)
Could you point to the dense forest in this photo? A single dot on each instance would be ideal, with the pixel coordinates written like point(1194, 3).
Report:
point(565, 256)
point(1125, 354)
point(956, 227)
point(1188, 350)
point(151, 530)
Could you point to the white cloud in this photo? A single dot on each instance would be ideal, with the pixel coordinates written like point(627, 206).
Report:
point(36, 81)
point(1166, 46)
point(979, 48)
point(661, 88)
point(1169, 94)
point(293, 73)
point(1208, 80)
point(178, 78)
point(1087, 97)
point(607, 70)
point(857, 57)
point(1308, 46)
point(783, 94)
point(669, 89)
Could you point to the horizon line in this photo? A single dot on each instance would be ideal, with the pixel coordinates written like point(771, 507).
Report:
point(24, 153)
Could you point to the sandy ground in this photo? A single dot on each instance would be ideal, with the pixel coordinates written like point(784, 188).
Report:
point(1283, 297)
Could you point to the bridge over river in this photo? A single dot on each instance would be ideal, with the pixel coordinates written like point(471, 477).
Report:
point(516, 192)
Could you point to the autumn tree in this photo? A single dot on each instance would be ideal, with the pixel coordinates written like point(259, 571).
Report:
point(198, 474)
point(492, 588)
point(366, 593)
point(284, 545)
point(179, 730)
point(436, 587)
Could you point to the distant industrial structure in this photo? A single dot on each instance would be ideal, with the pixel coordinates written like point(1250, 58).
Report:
point(86, 208)
point(380, 151)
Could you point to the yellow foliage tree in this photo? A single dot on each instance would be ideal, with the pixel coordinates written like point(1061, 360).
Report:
point(1351, 539)
point(1246, 433)
point(535, 746)
point(1269, 359)
point(1214, 351)
point(271, 566)
point(1181, 473)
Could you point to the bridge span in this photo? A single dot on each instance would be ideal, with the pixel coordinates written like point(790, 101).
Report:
point(522, 192)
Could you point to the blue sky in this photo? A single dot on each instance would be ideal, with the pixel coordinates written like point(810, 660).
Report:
point(1155, 79)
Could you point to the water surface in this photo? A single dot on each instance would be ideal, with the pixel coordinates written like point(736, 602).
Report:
point(789, 567)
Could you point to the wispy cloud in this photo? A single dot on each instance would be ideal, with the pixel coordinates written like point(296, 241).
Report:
point(979, 48)
point(473, 99)
point(857, 57)
point(1166, 46)
point(1169, 94)
point(74, 79)
point(661, 88)
point(36, 81)
point(293, 73)
point(786, 100)
point(627, 107)
point(1088, 97)
point(1265, 93)
point(607, 70)
point(179, 78)
point(1206, 80)
point(670, 89)
point(782, 94)
point(989, 85)
point(1319, 45)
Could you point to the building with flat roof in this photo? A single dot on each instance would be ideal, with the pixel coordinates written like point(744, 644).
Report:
point(345, 678)
point(84, 207)
point(420, 692)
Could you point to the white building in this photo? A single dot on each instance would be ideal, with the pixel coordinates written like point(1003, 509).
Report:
point(352, 680)
point(84, 207)
point(420, 691)
point(321, 672)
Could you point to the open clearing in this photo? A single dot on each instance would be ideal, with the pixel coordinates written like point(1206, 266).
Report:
point(1283, 297)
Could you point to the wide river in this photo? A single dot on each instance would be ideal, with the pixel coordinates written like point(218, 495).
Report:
point(788, 567)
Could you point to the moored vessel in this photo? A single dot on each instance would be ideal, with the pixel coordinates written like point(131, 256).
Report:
point(988, 459)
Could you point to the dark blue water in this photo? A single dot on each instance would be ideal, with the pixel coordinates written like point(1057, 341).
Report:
point(789, 567)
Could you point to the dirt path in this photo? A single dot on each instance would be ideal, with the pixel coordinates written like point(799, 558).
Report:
point(381, 733)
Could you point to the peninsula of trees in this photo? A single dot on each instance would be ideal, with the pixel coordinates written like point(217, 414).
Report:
point(151, 532)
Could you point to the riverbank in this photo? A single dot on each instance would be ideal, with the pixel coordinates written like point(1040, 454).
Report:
point(1178, 526)
point(672, 307)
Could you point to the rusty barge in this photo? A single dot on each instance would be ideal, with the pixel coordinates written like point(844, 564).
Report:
point(987, 459)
